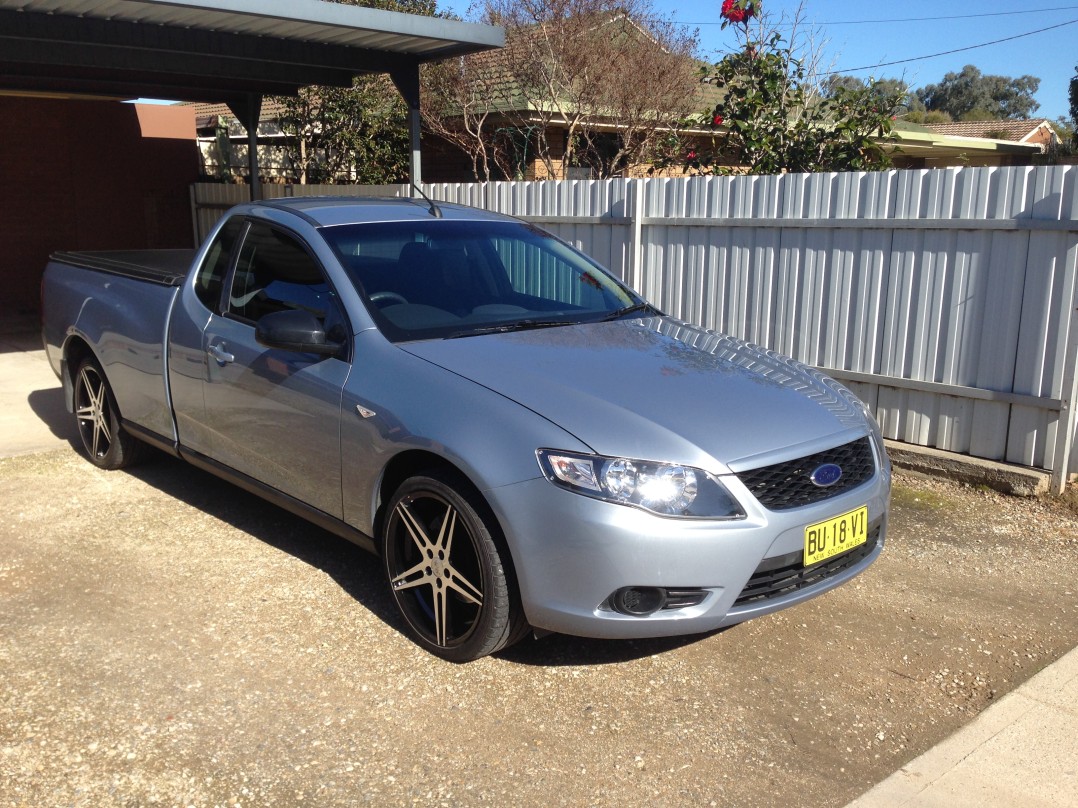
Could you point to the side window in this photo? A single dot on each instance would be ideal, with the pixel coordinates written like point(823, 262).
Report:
point(215, 266)
point(274, 273)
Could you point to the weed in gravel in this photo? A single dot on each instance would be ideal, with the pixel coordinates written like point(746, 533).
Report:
point(919, 499)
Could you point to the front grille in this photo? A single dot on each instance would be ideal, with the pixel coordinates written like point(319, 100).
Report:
point(787, 573)
point(787, 485)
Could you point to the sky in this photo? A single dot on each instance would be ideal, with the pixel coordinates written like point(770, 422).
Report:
point(854, 34)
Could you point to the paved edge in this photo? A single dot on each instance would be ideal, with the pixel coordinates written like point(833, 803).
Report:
point(1019, 751)
point(1017, 480)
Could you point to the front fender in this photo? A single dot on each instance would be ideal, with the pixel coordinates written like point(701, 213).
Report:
point(395, 402)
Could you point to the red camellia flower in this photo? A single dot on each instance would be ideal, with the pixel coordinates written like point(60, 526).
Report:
point(692, 154)
point(717, 120)
point(734, 14)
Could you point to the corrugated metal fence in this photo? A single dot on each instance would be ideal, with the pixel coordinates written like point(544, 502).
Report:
point(945, 298)
point(209, 200)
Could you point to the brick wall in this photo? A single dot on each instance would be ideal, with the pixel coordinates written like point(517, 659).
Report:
point(80, 175)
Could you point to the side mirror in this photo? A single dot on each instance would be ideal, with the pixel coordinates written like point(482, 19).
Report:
point(295, 330)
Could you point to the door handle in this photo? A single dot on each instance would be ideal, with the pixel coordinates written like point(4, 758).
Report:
point(222, 356)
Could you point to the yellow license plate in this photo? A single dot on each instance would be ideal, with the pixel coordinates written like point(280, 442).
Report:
point(825, 540)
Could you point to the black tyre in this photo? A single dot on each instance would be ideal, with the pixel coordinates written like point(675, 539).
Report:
point(440, 546)
point(106, 443)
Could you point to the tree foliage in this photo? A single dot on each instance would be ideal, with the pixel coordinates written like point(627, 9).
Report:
point(1068, 137)
point(772, 119)
point(1074, 97)
point(973, 96)
point(923, 116)
point(884, 90)
point(351, 134)
point(347, 134)
point(592, 83)
point(1067, 128)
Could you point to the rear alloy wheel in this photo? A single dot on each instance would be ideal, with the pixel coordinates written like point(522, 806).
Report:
point(104, 439)
point(445, 569)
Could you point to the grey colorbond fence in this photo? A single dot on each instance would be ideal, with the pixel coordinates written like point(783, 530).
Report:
point(945, 298)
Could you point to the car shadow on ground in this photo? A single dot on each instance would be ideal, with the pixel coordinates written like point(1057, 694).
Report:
point(48, 405)
point(557, 650)
point(359, 573)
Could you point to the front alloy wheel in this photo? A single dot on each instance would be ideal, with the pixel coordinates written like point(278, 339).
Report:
point(445, 569)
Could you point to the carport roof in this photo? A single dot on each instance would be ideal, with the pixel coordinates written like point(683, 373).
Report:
point(214, 50)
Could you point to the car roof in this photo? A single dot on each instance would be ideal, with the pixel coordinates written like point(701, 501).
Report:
point(329, 211)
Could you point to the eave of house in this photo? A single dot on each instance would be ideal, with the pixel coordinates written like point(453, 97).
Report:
point(930, 144)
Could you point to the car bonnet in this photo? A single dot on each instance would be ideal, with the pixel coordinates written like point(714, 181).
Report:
point(659, 389)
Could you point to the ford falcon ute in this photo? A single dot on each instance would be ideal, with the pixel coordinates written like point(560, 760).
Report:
point(526, 443)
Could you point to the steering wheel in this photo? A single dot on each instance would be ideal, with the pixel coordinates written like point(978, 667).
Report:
point(383, 299)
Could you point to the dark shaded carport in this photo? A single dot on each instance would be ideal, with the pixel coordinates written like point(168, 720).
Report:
point(225, 51)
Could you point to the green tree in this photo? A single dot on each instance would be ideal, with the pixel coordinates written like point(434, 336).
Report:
point(1074, 97)
point(923, 116)
point(882, 89)
point(771, 119)
point(1068, 137)
point(973, 96)
point(351, 134)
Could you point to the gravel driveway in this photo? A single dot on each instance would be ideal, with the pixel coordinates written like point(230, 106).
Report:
point(166, 639)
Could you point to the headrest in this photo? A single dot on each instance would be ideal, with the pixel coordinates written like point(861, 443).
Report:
point(454, 266)
point(414, 255)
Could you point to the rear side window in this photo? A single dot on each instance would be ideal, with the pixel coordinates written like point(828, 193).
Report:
point(215, 266)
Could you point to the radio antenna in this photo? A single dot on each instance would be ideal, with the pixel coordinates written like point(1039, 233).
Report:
point(433, 210)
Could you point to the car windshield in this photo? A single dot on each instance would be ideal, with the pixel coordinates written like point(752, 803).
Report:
point(444, 279)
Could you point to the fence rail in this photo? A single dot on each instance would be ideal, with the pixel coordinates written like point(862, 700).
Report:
point(945, 298)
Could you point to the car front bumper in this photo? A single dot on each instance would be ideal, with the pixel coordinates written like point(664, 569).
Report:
point(572, 552)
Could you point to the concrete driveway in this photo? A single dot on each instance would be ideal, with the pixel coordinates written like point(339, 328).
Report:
point(167, 639)
point(32, 415)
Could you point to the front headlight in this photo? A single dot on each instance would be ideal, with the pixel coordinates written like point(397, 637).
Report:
point(663, 488)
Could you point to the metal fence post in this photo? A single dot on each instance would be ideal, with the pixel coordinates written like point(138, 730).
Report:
point(1069, 393)
point(639, 200)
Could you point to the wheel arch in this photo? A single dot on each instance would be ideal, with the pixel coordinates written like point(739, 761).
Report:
point(417, 461)
point(409, 463)
point(76, 349)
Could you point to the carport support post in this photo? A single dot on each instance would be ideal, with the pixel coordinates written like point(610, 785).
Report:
point(407, 81)
point(248, 109)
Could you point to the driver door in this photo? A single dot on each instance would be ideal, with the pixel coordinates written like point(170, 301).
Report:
point(271, 414)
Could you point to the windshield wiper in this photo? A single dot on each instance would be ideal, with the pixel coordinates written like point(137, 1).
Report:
point(504, 328)
point(638, 307)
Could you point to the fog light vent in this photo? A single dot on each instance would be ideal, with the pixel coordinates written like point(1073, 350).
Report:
point(638, 601)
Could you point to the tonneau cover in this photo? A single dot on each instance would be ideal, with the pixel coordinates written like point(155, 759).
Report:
point(164, 267)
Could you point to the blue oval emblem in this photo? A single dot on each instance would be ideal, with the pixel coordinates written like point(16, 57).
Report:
point(826, 475)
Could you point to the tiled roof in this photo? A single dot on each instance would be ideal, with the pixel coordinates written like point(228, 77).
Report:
point(996, 130)
point(271, 110)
